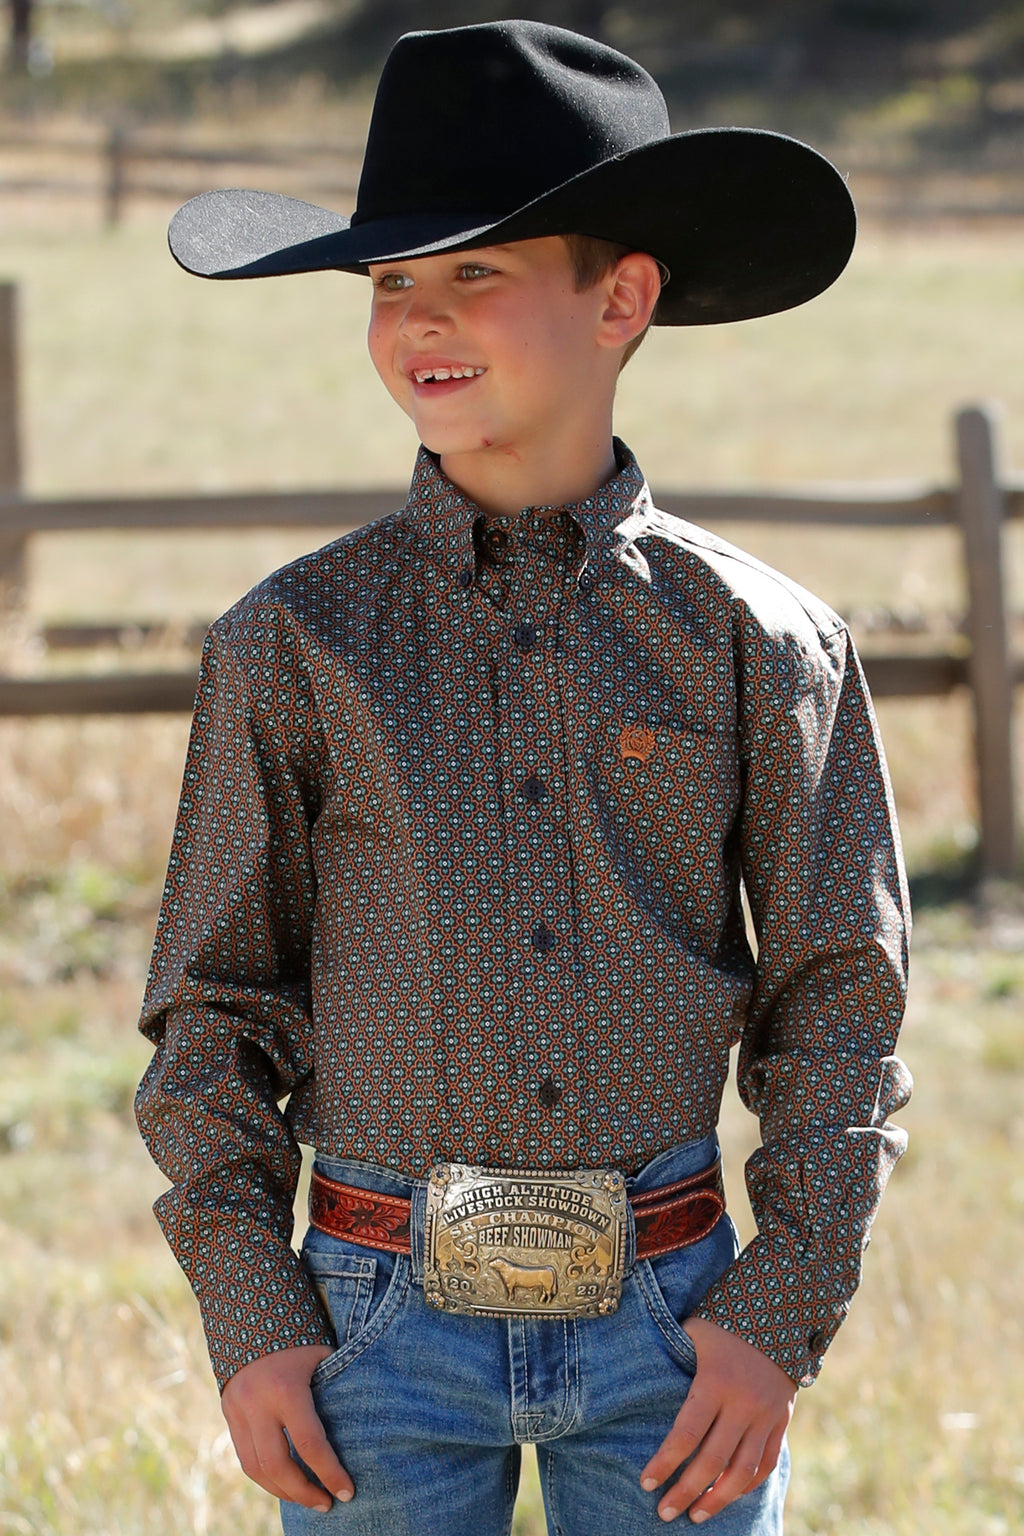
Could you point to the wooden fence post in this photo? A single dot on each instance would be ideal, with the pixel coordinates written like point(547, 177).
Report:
point(21, 35)
point(981, 517)
point(117, 158)
point(12, 545)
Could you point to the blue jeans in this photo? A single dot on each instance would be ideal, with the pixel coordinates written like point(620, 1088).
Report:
point(427, 1411)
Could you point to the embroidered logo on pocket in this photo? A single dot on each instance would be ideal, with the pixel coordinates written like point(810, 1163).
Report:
point(636, 741)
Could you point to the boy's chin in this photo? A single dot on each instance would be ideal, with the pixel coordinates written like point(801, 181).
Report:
point(453, 444)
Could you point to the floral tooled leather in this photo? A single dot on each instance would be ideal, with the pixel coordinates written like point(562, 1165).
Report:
point(380, 1221)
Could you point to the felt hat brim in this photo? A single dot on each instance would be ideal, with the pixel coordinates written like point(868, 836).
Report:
point(747, 222)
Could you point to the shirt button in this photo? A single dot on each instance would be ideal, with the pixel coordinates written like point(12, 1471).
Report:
point(543, 938)
point(465, 578)
point(525, 636)
point(534, 789)
point(549, 1093)
point(817, 1341)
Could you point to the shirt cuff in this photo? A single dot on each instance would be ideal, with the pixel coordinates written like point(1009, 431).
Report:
point(253, 1292)
point(788, 1310)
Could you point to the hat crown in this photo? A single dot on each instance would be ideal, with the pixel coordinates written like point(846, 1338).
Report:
point(490, 117)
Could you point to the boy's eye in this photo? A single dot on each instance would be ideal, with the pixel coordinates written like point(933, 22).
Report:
point(394, 282)
point(472, 269)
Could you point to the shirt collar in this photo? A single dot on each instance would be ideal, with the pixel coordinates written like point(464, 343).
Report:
point(439, 510)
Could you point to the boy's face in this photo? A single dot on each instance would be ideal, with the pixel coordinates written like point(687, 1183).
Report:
point(515, 345)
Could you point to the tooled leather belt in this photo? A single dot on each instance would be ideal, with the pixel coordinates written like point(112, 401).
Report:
point(672, 1216)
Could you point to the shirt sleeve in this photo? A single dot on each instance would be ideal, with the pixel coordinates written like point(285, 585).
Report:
point(227, 1004)
point(824, 877)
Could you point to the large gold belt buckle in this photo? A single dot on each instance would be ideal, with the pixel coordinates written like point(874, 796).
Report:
point(501, 1242)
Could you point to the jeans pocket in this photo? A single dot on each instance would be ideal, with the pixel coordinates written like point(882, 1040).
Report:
point(344, 1283)
point(361, 1291)
point(665, 1317)
point(673, 1283)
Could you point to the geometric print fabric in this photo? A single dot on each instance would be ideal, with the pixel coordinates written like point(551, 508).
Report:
point(466, 814)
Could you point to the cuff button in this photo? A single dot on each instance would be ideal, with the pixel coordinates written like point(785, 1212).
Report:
point(817, 1341)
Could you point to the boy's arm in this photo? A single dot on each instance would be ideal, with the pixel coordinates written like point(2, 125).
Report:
point(824, 876)
point(227, 1002)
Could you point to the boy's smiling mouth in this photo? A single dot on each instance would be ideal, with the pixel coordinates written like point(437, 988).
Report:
point(439, 374)
point(429, 374)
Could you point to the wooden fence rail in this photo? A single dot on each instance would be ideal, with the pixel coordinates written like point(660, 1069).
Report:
point(979, 504)
point(120, 164)
point(120, 161)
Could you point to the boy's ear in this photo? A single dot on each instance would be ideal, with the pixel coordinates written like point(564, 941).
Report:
point(632, 288)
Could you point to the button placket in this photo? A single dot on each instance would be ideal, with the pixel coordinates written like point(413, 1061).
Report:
point(531, 766)
point(553, 878)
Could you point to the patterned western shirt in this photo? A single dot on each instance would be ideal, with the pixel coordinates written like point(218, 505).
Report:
point(457, 868)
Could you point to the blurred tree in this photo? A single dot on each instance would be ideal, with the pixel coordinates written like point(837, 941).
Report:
point(375, 24)
point(21, 33)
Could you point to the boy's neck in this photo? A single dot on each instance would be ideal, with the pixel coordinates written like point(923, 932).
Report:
point(501, 482)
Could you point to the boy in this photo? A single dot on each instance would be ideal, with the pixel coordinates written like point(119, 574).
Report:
point(457, 867)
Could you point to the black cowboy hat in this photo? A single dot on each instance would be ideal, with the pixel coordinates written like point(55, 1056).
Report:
point(487, 134)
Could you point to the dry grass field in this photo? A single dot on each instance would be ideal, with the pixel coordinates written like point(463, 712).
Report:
point(138, 378)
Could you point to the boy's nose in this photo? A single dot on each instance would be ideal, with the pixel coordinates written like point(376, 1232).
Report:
point(423, 317)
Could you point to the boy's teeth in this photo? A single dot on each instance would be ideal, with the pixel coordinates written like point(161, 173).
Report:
point(441, 375)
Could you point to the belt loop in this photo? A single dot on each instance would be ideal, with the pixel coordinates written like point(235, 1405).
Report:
point(418, 1203)
point(630, 1263)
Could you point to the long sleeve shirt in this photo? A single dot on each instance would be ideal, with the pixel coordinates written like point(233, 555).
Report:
point(457, 872)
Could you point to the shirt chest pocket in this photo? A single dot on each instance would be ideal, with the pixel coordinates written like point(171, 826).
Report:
point(667, 782)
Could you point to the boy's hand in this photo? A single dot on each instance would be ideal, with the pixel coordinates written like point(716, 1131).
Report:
point(732, 1424)
point(267, 1397)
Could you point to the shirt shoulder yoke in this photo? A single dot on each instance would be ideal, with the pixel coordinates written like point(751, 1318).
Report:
point(364, 558)
point(771, 600)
